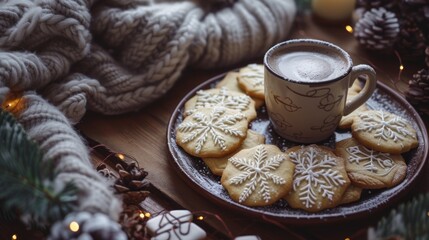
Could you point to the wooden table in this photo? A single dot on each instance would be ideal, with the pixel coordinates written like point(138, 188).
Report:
point(143, 135)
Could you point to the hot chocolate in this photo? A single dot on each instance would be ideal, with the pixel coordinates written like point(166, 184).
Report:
point(303, 64)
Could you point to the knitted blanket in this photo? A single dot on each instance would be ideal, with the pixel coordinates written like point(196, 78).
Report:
point(116, 56)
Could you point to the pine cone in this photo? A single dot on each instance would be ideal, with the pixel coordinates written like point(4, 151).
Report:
point(377, 30)
point(90, 226)
point(418, 10)
point(132, 184)
point(418, 91)
point(411, 42)
point(370, 4)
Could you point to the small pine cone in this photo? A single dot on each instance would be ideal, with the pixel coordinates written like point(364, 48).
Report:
point(95, 226)
point(377, 30)
point(132, 183)
point(370, 4)
point(411, 42)
point(418, 91)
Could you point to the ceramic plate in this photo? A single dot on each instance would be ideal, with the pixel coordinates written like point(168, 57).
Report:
point(199, 177)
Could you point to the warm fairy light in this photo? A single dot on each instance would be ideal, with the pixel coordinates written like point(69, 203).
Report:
point(14, 237)
point(401, 67)
point(346, 238)
point(11, 104)
point(349, 28)
point(74, 226)
point(120, 156)
point(427, 213)
point(144, 215)
point(201, 218)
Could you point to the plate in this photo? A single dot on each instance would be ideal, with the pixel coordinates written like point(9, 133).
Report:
point(198, 176)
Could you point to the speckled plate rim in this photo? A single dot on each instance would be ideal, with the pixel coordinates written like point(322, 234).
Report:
point(394, 195)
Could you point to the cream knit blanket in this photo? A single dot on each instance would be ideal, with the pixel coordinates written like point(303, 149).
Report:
point(116, 56)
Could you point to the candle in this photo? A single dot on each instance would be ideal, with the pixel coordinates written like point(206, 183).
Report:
point(333, 10)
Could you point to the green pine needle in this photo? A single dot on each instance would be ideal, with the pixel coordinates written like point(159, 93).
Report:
point(26, 181)
point(409, 221)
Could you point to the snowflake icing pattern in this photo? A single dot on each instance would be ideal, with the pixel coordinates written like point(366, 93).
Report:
point(221, 99)
point(215, 125)
point(373, 161)
point(256, 76)
point(317, 175)
point(386, 126)
point(257, 171)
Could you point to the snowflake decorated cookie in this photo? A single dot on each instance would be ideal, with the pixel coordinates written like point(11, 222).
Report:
point(221, 98)
point(212, 132)
point(319, 180)
point(230, 81)
point(258, 176)
point(251, 80)
point(371, 169)
point(352, 194)
point(384, 132)
point(217, 165)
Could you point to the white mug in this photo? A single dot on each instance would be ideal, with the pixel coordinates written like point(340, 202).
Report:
point(306, 83)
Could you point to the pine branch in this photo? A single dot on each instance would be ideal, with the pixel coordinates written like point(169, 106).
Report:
point(26, 180)
point(408, 221)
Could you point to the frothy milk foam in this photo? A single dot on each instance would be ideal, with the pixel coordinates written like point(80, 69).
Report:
point(308, 65)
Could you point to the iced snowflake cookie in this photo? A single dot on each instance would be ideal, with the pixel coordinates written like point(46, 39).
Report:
point(258, 176)
point(352, 194)
point(251, 80)
point(319, 180)
point(212, 132)
point(230, 81)
point(221, 98)
point(384, 132)
point(371, 169)
point(217, 165)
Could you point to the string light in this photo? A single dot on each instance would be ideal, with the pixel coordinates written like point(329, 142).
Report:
point(401, 67)
point(427, 213)
point(14, 237)
point(349, 29)
point(144, 215)
point(74, 226)
point(11, 103)
point(120, 156)
point(201, 218)
point(346, 238)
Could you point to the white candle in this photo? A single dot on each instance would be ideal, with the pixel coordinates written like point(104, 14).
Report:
point(333, 10)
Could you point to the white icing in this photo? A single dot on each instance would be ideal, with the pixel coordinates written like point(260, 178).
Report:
point(216, 125)
point(385, 126)
point(257, 170)
point(222, 99)
point(373, 161)
point(317, 174)
point(256, 76)
point(165, 222)
point(248, 237)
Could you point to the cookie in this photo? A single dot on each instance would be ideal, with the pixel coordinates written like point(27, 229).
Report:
point(217, 165)
point(371, 169)
point(176, 224)
point(212, 132)
point(352, 194)
point(319, 180)
point(221, 98)
point(258, 176)
point(251, 80)
point(230, 81)
point(347, 121)
point(356, 87)
point(384, 132)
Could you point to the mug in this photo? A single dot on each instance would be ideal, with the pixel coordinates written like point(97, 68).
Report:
point(306, 83)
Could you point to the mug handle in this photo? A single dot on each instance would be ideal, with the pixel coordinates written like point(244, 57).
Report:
point(366, 92)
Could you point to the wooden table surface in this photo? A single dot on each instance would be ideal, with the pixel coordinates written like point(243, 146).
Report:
point(143, 135)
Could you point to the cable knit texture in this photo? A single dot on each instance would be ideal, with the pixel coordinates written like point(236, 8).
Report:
point(116, 56)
